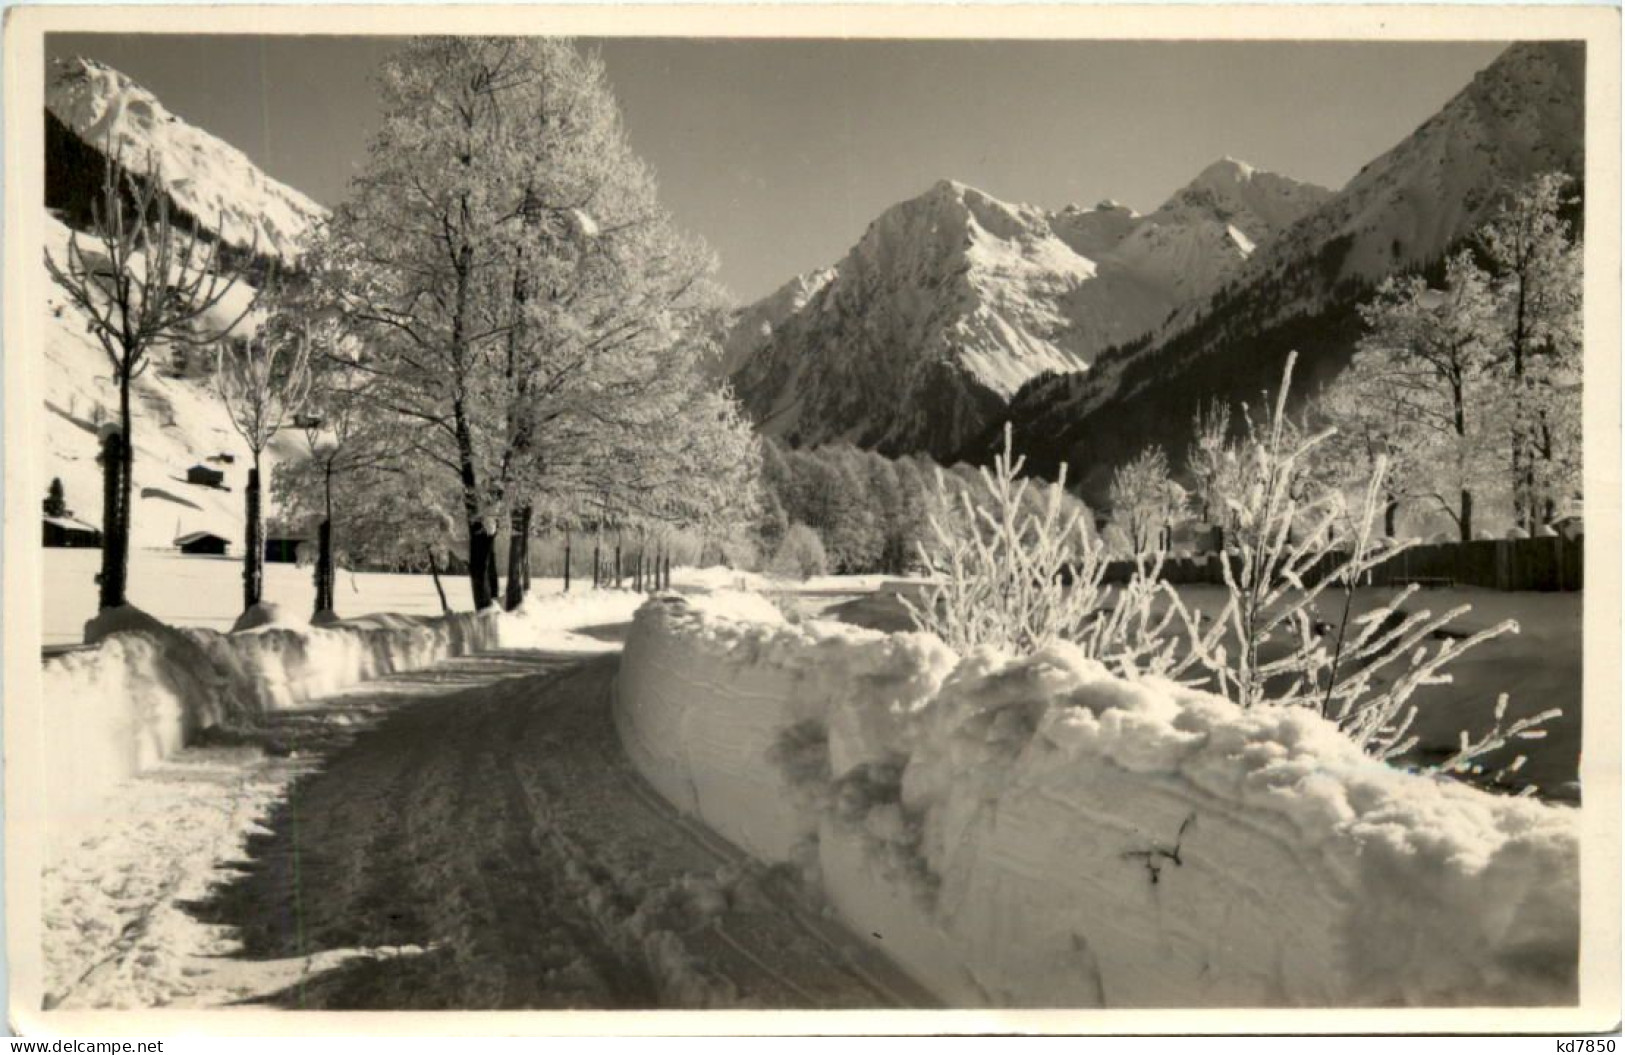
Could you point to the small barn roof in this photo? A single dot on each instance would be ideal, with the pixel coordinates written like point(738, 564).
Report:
point(70, 524)
point(197, 536)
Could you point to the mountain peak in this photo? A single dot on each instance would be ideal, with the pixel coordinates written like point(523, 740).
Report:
point(1227, 170)
point(953, 300)
point(204, 175)
point(1232, 192)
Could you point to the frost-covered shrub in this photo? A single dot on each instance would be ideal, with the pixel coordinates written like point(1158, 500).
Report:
point(1284, 554)
point(1021, 575)
point(1003, 574)
point(800, 554)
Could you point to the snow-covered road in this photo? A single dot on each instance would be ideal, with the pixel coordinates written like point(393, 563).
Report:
point(470, 836)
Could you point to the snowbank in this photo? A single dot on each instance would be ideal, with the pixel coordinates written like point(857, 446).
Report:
point(146, 688)
point(1036, 832)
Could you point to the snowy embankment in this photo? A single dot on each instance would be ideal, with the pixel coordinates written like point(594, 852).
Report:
point(1036, 832)
point(146, 689)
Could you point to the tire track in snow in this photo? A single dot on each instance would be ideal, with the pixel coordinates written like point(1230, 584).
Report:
point(486, 844)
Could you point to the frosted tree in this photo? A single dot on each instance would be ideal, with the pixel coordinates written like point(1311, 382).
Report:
point(681, 456)
point(263, 382)
point(1536, 260)
point(1146, 501)
point(423, 239)
point(1208, 457)
point(1374, 427)
point(800, 554)
point(517, 281)
point(142, 283)
point(1428, 352)
point(391, 512)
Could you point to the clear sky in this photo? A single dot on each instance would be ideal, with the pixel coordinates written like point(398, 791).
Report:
point(780, 153)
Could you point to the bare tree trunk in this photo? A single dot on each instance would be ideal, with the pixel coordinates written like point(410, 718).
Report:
point(254, 540)
point(493, 585)
point(324, 549)
point(481, 562)
point(434, 572)
point(1548, 500)
point(566, 560)
point(324, 567)
point(597, 561)
point(518, 556)
point(666, 561)
point(1520, 503)
point(1466, 519)
point(1389, 513)
point(115, 522)
point(617, 560)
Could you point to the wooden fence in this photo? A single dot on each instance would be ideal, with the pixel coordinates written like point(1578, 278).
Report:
point(1547, 564)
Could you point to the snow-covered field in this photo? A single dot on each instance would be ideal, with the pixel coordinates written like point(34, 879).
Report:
point(1038, 833)
point(207, 591)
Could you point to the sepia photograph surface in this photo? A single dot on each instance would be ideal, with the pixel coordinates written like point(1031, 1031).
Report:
point(1017, 520)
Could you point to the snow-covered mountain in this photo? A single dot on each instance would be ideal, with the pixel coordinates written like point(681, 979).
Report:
point(951, 301)
point(1520, 116)
point(753, 326)
point(179, 421)
point(210, 179)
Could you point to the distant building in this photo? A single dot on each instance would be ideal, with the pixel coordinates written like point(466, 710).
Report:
point(223, 458)
point(283, 549)
point(205, 476)
point(1570, 527)
point(201, 543)
point(68, 533)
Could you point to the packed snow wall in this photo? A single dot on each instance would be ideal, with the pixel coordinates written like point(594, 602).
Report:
point(146, 688)
point(1036, 832)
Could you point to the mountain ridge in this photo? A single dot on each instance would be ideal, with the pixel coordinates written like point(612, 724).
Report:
point(211, 180)
point(953, 299)
point(1521, 115)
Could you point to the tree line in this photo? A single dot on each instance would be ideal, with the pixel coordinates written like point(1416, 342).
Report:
point(1464, 388)
point(844, 510)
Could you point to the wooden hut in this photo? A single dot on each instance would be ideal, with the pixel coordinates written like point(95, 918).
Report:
point(201, 543)
point(68, 533)
point(204, 476)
